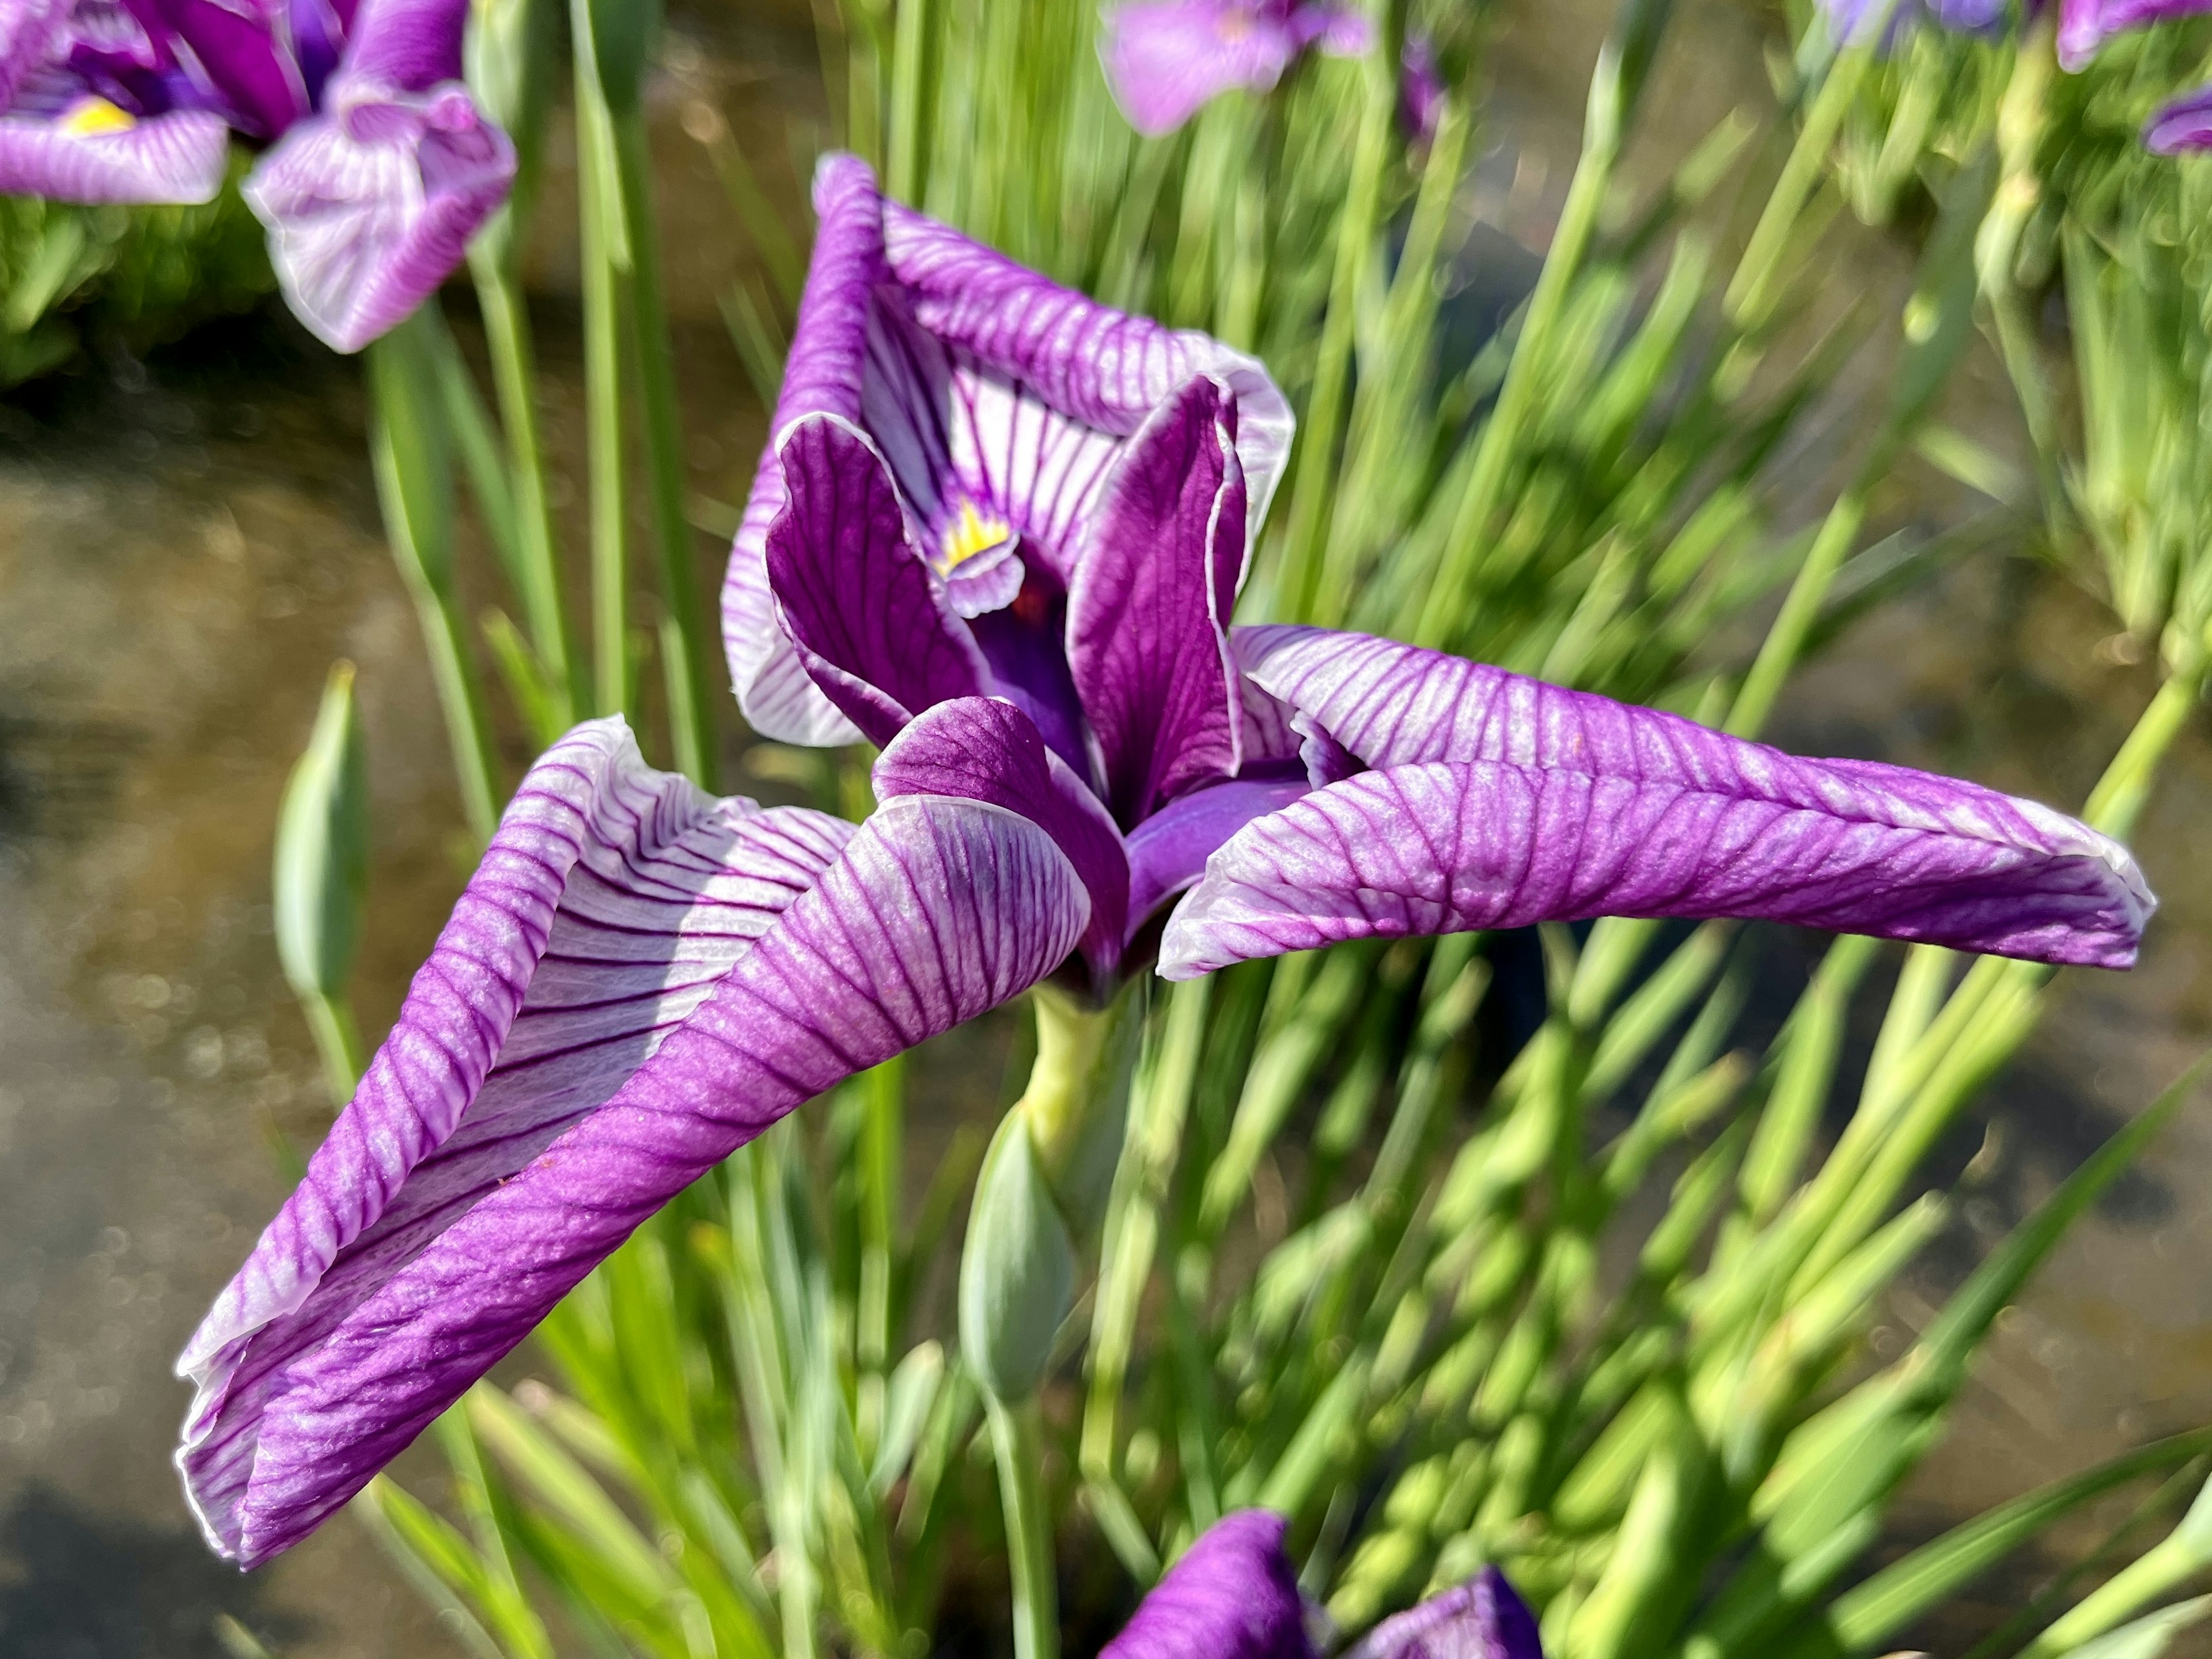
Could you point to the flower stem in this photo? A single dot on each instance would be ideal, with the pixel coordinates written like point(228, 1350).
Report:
point(506, 337)
point(1018, 1446)
point(338, 1041)
point(606, 258)
point(686, 648)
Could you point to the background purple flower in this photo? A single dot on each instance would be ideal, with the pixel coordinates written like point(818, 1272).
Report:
point(1165, 59)
point(379, 166)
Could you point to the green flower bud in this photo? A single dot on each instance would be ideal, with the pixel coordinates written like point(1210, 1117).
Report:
point(1017, 1269)
point(321, 872)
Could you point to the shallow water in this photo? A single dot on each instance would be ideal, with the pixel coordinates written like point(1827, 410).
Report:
point(186, 545)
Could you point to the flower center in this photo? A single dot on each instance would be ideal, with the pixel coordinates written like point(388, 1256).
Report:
point(971, 533)
point(89, 117)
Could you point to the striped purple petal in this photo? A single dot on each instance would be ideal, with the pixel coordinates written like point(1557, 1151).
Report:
point(1001, 402)
point(869, 621)
point(1147, 614)
point(639, 981)
point(1482, 1619)
point(1234, 1595)
point(983, 749)
point(1498, 801)
point(371, 204)
point(1167, 59)
point(412, 45)
point(238, 50)
point(93, 152)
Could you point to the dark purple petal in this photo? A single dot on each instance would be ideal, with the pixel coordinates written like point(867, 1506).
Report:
point(1168, 850)
point(821, 376)
point(371, 205)
point(2083, 24)
point(96, 153)
point(1484, 1618)
point(1233, 1596)
point(869, 619)
point(1447, 847)
point(410, 44)
point(364, 1311)
point(1038, 371)
point(982, 749)
point(1166, 59)
point(1147, 613)
point(1023, 645)
point(236, 46)
point(610, 902)
point(2183, 126)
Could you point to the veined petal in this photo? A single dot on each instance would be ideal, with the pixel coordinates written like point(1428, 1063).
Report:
point(1233, 1596)
point(2029, 881)
point(871, 620)
point(822, 376)
point(1146, 617)
point(1027, 358)
point(174, 158)
point(413, 45)
point(1168, 851)
point(610, 902)
point(1484, 1618)
point(936, 910)
point(1166, 59)
point(1444, 846)
point(371, 206)
point(2183, 126)
point(983, 749)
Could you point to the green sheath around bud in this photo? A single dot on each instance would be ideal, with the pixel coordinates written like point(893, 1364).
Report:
point(1017, 1269)
point(320, 877)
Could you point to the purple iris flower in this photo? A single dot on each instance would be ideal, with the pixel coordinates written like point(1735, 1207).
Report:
point(998, 533)
point(1848, 19)
point(378, 166)
point(1234, 1595)
point(2181, 125)
point(1166, 59)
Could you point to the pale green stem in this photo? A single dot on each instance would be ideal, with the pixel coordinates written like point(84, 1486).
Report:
point(338, 1041)
point(686, 648)
point(1808, 591)
point(506, 337)
point(605, 259)
point(1018, 1446)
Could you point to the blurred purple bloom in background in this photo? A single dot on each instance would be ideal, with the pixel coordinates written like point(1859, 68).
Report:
point(1849, 20)
point(1234, 1595)
point(998, 533)
point(378, 165)
point(1165, 59)
point(2181, 125)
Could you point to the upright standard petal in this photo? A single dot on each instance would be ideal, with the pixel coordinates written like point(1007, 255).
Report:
point(1044, 384)
point(1147, 616)
point(936, 910)
point(1482, 1619)
point(1233, 1596)
point(610, 900)
point(1501, 801)
point(1167, 59)
point(237, 51)
point(93, 152)
point(870, 620)
point(370, 206)
point(822, 376)
point(983, 749)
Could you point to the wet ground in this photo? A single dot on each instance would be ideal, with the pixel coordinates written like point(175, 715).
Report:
point(185, 544)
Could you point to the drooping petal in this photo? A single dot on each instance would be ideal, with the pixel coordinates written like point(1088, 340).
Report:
point(1042, 384)
point(935, 911)
point(869, 619)
point(1445, 847)
point(1234, 1595)
point(821, 376)
point(2181, 126)
point(2083, 24)
point(983, 749)
point(95, 153)
point(371, 205)
point(1168, 851)
point(1146, 617)
point(610, 900)
point(1484, 1618)
point(1167, 59)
